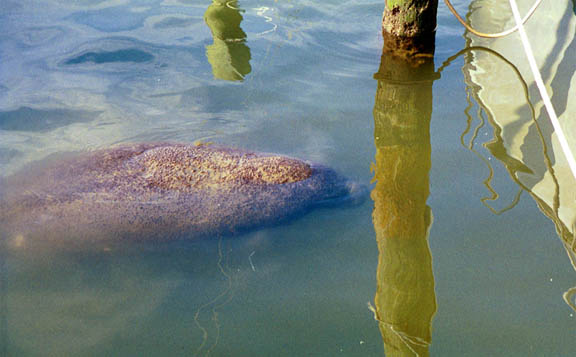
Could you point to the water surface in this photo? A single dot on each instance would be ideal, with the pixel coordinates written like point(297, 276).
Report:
point(488, 261)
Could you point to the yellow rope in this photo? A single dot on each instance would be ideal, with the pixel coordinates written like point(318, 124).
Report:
point(492, 35)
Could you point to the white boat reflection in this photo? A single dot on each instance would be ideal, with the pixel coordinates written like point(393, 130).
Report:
point(524, 139)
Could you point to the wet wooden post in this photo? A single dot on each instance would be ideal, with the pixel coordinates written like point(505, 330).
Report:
point(409, 18)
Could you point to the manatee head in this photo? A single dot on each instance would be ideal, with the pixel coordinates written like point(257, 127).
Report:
point(333, 189)
point(164, 191)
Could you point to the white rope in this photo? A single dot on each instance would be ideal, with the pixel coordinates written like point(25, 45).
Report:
point(542, 89)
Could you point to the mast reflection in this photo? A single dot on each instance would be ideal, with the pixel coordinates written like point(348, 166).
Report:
point(405, 299)
point(228, 55)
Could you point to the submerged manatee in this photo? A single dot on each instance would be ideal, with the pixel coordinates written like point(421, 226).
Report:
point(160, 191)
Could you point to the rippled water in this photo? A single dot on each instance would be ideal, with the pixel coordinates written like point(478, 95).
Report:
point(471, 214)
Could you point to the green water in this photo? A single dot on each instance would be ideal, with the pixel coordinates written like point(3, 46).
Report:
point(78, 75)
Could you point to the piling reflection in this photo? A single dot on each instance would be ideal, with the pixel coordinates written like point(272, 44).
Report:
point(405, 301)
point(228, 55)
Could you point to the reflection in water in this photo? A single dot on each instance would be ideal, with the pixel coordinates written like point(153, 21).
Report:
point(43, 120)
point(405, 299)
point(524, 139)
point(495, 146)
point(517, 169)
point(228, 55)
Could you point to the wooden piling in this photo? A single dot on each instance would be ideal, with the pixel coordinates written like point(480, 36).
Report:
point(409, 18)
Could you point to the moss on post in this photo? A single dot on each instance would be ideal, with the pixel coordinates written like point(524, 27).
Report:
point(409, 27)
point(409, 18)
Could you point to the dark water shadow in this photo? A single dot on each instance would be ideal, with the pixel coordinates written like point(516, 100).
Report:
point(124, 55)
point(43, 120)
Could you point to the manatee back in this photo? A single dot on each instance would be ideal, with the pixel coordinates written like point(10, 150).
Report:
point(158, 192)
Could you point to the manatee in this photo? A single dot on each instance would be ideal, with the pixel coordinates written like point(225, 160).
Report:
point(161, 192)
